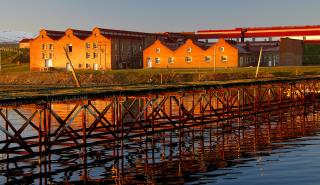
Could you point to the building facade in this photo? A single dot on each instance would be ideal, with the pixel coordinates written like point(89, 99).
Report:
point(100, 48)
point(190, 54)
point(24, 44)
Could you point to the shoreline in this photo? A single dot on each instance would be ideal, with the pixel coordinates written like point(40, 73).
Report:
point(56, 94)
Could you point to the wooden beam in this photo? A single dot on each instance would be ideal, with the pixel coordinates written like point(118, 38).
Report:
point(72, 68)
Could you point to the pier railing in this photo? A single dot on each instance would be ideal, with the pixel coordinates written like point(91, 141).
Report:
point(43, 128)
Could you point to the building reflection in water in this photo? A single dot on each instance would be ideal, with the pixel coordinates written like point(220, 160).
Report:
point(173, 157)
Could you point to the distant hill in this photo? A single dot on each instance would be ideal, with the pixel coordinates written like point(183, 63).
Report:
point(14, 36)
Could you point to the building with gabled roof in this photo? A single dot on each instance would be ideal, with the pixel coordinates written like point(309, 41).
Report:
point(190, 54)
point(96, 49)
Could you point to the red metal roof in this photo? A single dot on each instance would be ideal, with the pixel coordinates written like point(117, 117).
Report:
point(25, 40)
point(280, 31)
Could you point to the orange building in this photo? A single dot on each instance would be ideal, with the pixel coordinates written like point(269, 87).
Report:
point(96, 49)
point(190, 54)
point(24, 43)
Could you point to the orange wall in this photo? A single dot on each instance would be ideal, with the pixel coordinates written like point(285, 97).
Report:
point(36, 51)
point(117, 52)
point(24, 45)
point(197, 54)
point(78, 54)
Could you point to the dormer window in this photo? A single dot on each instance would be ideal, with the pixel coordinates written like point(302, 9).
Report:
point(221, 49)
point(158, 50)
point(189, 50)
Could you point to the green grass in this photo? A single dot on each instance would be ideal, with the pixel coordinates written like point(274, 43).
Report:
point(15, 67)
point(292, 70)
point(12, 61)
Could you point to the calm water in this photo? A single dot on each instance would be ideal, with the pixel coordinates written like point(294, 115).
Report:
point(281, 147)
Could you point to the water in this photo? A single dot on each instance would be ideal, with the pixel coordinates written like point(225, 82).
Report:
point(280, 147)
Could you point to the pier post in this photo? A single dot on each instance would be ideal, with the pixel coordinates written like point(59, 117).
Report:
point(6, 122)
point(84, 141)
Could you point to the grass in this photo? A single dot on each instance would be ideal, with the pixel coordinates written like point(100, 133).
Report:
point(15, 70)
point(14, 61)
point(282, 71)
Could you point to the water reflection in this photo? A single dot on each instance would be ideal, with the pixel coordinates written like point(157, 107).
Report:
point(201, 154)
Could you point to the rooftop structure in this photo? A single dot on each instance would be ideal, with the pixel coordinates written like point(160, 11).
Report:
point(256, 32)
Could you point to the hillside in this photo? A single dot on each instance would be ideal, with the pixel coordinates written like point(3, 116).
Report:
point(14, 36)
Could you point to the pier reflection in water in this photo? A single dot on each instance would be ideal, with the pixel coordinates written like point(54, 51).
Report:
point(240, 150)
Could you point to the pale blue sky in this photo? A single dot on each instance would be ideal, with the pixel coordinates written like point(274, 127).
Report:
point(155, 16)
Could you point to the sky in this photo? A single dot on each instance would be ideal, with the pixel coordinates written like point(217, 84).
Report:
point(155, 15)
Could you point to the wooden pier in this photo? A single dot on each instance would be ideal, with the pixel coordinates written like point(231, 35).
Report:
point(135, 112)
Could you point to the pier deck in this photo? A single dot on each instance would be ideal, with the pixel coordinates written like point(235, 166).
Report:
point(43, 121)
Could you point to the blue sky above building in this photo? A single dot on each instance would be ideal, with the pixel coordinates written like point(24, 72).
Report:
point(155, 16)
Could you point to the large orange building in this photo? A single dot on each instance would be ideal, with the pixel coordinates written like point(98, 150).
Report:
point(96, 49)
point(191, 54)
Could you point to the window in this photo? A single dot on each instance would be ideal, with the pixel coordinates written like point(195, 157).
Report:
point(44, 56)
point(87, 45)
point(157, 50)
point(170, 60)
point(157, 60)
point(50, 55)
point(69, 48)
point(241, 61)
point(95, 45)
point(95, 55)
point(87, 66)
point(188, 59)
point(149, 62)
point(207, 58)
point(87, 55)
point(50, 46)
point(221, 49)
point(224, 58)
point(44, 47)
point(80, 66)
point(189, 50)
point(115, 47)
point(68, 66)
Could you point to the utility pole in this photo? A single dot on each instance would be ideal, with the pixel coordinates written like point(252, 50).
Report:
point(72, 68)
point(214, 60)
point(258, 66)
